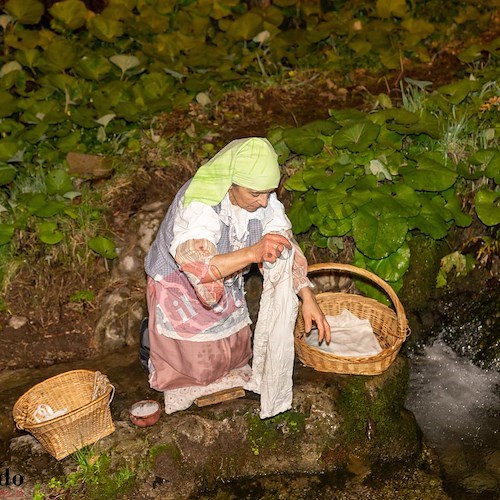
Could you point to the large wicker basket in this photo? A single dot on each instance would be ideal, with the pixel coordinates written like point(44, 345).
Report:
point(389, 326)
point(84, 394)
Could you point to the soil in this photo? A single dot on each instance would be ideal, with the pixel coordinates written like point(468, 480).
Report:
point(43, 326)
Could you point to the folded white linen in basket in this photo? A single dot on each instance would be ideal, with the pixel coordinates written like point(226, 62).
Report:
point(44, 412)
point(351, 336)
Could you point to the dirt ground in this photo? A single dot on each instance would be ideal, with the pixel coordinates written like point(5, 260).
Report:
point(42, 326)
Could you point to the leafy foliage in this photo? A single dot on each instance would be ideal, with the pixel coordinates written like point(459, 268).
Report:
point(74, 80)
point(379, 178)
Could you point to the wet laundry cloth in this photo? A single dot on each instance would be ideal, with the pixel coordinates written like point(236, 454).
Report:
point(350, 336)
point(273, 348)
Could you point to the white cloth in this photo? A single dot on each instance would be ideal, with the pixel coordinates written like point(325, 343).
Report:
point(273, 350)
point(351, 336)
point(200, 221)
point(183, 398)
point(45, 412)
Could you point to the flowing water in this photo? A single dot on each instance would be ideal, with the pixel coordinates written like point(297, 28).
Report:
point(457, 405)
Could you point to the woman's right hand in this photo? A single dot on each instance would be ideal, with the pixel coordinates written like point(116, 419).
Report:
point(269, 248)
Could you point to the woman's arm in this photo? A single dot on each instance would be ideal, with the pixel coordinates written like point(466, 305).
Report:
point(312, 312)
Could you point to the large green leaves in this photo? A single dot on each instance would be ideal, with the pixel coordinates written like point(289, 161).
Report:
point(71, 14)
point(25, 11)
point(377, 236)
point(487, 204)
point(356, 136)
point(429, 175)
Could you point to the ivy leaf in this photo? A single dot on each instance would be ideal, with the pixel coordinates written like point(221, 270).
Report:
point(454, 206)
point(356, 137)
point(48, 233)
point(25, 11)
point(378, 237)
point(6, 233)
point(487, 204)
point(103, 246)
point(72, 14)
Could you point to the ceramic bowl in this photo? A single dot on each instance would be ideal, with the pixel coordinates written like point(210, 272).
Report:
point(145, 413)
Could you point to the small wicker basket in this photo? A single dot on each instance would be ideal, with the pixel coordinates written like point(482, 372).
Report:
point(390, 327)
point(84, 394)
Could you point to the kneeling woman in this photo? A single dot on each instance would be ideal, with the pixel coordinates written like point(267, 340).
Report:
point(224, 219)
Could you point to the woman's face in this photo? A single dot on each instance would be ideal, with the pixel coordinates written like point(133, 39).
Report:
point(248, 199)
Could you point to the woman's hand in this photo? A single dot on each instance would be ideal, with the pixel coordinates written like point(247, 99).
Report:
point(269, 248)
point(312, 312)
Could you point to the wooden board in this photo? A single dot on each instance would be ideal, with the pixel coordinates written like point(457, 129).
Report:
point(219, 396)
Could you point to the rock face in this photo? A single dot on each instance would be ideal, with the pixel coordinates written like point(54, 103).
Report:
point(343, 429)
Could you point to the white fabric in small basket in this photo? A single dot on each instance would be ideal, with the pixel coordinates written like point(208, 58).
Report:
point(351, 336)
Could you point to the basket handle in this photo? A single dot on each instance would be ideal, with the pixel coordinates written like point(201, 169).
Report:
point(337, 266)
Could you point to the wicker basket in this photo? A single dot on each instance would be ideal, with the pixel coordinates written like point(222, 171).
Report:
point(390, 327)
point(85, 394)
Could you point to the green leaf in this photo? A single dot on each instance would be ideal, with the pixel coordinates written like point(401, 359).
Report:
point(7, 174)
point(60, 55)
point(296, 183)
point(244, 27)
point(299, 217)
point(303, 141)
point(456, 92)
point(429, 175)
point(105, 29)
point(50, 208)
point(489, 160)
point(125, 62)
point(58, 181)
point(103, 246)
point(430, 220)
point(335, 227)
point(392, 268)
point(378, 237)
point(356, 137)
point(6, 233)
point(453, 204)
point(72, 14)
point(48, 233)
point(334, 204)
point(8, 103)
point(389, 8)
point(8, 149)
point(25, 11)
point(487, 204)
point(93, 67)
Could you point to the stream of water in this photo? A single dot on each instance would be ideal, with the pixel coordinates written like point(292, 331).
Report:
point(457, 406)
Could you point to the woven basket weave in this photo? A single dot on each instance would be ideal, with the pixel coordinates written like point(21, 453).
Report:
point(85, 394)
point(389, 326)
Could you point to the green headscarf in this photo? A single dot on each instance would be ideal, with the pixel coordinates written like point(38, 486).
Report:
point(251, 163)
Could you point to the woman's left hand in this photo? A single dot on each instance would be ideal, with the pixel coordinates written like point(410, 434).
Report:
point(312, 312)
